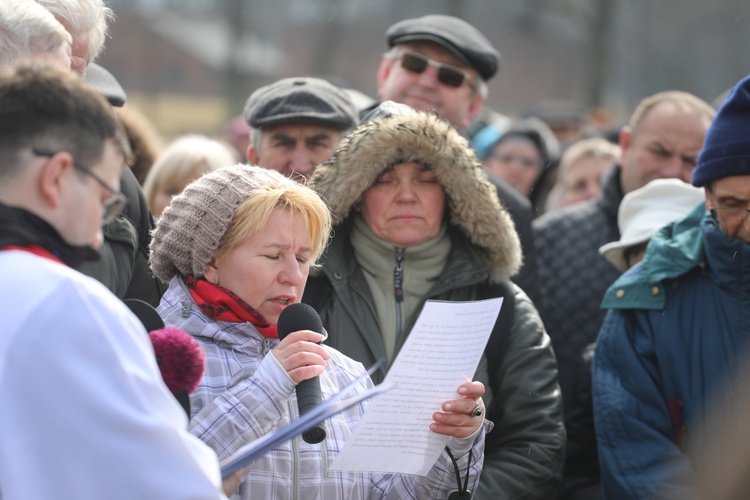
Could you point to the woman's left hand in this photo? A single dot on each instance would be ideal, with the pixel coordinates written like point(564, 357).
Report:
point(461, 417)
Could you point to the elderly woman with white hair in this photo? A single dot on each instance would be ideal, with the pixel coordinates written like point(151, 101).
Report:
point(29, 30)
point(86, 21)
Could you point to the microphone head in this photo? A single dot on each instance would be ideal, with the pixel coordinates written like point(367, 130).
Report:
point(146, 313)
point(180, 357)
point(298, 317)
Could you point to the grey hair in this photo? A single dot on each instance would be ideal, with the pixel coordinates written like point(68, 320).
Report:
point(256, 137)
point(26, 29)
point(83, 17)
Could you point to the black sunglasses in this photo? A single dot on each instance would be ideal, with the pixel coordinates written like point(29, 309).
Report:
point(448, 75)
point(113, 206)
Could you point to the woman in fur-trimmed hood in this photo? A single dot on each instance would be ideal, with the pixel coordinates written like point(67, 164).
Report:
point(425, 139)
point(415, 219)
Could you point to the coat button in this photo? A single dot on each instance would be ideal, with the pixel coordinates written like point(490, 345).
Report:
point(620, 294)
point(655, 290)
point(337, 275)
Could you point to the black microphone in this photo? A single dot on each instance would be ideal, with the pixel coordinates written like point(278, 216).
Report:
point(303, 317)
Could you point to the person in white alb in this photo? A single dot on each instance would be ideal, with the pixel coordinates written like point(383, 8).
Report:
point(85, 413)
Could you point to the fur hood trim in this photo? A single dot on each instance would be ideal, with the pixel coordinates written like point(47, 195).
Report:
point(423, 138)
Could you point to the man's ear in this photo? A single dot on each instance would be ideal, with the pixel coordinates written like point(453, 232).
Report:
point(475, 106)
point(53, 178)
point(252, 155)
point(626, 135)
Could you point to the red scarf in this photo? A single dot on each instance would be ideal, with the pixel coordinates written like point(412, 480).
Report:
point(222, 304)
point(36, 250)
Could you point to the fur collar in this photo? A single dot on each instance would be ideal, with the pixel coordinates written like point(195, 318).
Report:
point(424, 138)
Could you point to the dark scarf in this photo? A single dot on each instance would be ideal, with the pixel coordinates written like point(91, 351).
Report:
point(221, 304)
point(21, 228)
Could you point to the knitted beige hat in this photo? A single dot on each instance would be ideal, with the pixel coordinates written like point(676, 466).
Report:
point(191, 227)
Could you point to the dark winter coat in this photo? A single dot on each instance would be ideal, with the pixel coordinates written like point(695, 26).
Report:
point(677, 329)
point(123, 263)
point(524, 453)
point(573, 276)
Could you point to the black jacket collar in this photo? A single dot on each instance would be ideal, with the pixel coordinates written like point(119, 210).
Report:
point(23, 228)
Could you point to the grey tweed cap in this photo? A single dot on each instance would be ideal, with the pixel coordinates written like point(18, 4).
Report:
point(461, 38)
point(300, 100)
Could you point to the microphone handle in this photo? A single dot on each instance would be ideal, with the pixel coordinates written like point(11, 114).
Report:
point(308, 397)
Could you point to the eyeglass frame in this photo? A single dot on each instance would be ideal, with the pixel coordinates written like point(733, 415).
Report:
point(465, 76)
point(741, 213)
point(112, 206)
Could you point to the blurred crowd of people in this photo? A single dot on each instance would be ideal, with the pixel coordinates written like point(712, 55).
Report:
point(618, 250)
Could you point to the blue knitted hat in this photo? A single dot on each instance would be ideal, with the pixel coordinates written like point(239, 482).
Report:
point(726, 151)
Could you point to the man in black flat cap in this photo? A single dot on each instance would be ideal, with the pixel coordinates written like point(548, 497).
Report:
point(296, 124)
point(442, 63)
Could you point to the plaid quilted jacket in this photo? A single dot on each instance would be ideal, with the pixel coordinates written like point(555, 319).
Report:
point(232, 407)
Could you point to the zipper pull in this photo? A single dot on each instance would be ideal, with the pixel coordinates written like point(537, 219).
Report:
point(185, 308)
point(398, 275)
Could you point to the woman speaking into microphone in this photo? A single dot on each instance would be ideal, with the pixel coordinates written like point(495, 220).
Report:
point(236, 247)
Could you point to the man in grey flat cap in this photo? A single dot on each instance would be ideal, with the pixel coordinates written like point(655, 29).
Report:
point(442, 63)
point(296, 124)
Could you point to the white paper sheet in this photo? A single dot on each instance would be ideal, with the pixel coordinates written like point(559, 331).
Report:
point(442, 351)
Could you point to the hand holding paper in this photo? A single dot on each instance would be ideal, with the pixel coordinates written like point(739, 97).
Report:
point(457, 417)
point(443, 351)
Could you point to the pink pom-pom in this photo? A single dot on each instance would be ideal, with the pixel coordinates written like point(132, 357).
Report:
point(180, 357)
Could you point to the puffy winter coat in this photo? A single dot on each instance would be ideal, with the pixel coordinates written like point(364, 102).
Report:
point(677, 324)
point(573, 276)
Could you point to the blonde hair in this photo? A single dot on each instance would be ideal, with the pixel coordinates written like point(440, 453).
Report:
point(595, 147)
point(252, 216)
point(183, 161)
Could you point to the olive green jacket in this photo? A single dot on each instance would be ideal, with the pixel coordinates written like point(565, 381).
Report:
point(525, 450)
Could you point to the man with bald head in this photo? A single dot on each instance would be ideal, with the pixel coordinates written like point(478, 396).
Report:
point(662, 140)
point(672, 347)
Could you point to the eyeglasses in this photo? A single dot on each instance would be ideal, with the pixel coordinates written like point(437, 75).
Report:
point(740, 213)
point(448, 75)
point(113, 206)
